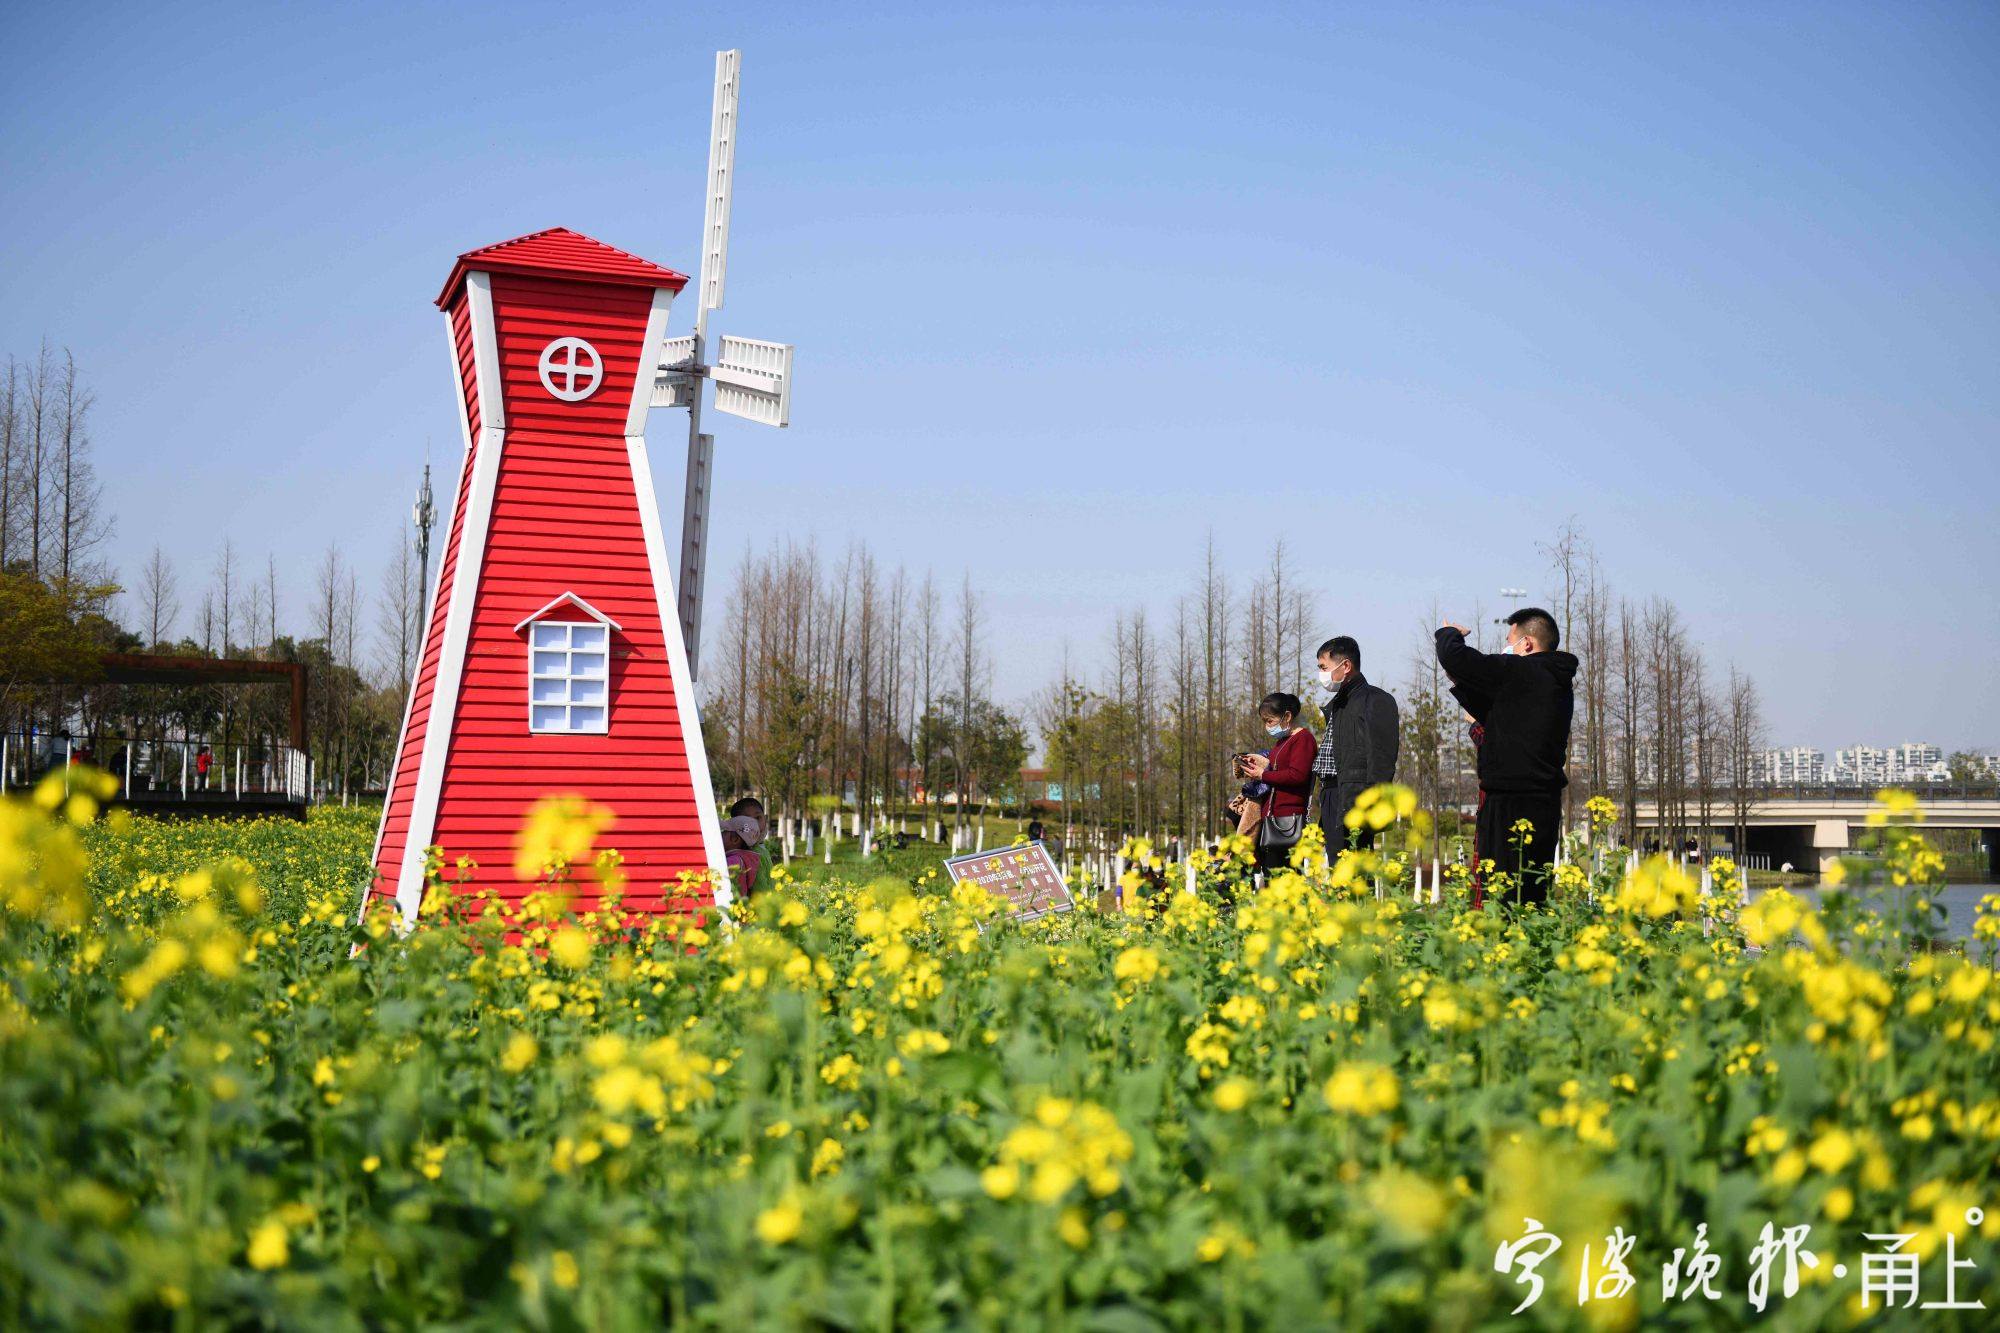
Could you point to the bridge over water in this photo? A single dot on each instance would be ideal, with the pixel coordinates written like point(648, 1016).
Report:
point(1808, 828)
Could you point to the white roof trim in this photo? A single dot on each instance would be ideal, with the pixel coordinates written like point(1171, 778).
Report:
point(580, 604)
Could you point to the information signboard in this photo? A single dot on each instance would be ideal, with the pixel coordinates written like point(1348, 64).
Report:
point(1026, 876)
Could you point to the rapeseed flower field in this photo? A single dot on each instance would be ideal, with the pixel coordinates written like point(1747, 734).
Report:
point(1311, 1104)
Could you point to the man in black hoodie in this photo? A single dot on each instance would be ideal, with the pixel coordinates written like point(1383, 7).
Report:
point(1521, 700)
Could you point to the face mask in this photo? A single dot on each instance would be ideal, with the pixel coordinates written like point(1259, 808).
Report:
point(1274, 729)
point(1326, 675)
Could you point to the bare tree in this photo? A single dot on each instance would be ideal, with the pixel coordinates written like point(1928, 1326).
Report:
point(37, 411)
point(1706, 734)
point(1215, 686)
point(13, 439)
point(80, 524)
point(867, 652)
point(1746, 740)
point(225, 592)
point(159, 603)
point(1568, 555)
point(972, 672)
point(1629, 707)
point(396, 616)
point(350, 617)
point(1595, 650)
point(930, 660)
point(271, 597)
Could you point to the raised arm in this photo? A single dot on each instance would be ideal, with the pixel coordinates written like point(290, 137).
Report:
point(1475, 702)
point(1466, 665)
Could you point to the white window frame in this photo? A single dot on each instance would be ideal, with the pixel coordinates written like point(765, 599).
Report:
point(542, 642)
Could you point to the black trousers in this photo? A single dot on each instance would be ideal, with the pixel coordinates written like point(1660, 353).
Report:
point(1334, 803)
point(1528, 864)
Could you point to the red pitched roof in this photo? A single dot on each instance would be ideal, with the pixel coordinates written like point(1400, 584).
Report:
point(560, 250)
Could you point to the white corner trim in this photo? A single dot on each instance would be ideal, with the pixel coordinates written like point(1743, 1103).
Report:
point(486, 352)
point(685, 702)
point(450, 670)
point(649, 362)
point(429, 608)
point(579, 604)
point(470, 557)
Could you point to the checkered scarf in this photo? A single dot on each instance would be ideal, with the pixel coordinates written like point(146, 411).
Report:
point(1323, 764)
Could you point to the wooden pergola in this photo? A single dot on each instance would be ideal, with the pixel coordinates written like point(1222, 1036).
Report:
point(156, 669)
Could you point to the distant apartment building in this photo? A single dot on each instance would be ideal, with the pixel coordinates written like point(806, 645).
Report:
point(1795, 766)
point(1911, 763)
point(1888, 766)
point(1914, 761)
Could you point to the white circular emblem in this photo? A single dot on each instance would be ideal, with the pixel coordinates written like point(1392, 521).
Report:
point(571, 369)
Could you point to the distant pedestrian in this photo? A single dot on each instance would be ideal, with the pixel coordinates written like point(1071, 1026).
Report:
point(1358, 747)
point(203, 761)
point(1522, 701)
point(1288, 771)
point(739, 834)
point(751, 809)
point(1038, 832)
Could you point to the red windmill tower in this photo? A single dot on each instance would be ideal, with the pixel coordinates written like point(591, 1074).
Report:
point(553, 657)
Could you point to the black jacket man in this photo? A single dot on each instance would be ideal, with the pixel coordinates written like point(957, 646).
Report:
point(1522, 700)
point(1358, 748)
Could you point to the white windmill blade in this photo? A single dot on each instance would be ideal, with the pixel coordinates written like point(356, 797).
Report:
point(753, 380)
point(721, 178)
point(675, 379)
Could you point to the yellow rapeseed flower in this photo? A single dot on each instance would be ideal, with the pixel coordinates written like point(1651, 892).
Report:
point(520, 1053)
point(1831, 1151)
point(561, 831)
point(1001, 1180)
point(1073, 1228)
point(1362, 1087)
point(780, 1224)
point(268, 1247)
point(570, 946)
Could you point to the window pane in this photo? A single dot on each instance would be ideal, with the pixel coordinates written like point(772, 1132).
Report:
point(550, 689)
point(551, 636)
point(586, 718)
point(587, 636)
point(586, 691)
point(548, 717)
point(586, 664)
point(551, 664)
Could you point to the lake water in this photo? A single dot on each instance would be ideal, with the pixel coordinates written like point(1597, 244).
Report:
point(1960, 901)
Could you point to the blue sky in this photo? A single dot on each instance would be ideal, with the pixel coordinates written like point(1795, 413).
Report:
point(1405, 285)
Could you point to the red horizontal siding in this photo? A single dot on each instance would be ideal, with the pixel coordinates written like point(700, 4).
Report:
point(529, 313)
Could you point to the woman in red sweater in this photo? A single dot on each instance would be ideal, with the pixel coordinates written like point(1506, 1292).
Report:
point(1288, 771)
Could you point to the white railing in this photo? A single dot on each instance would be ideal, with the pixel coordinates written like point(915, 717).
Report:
point(160, 769)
